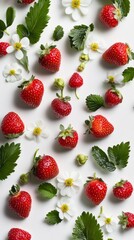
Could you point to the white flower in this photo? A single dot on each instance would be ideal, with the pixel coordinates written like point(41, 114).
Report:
point(12, 72)
point(116, 78)
point(93, 47)
point(65, 208)
point(76, 8)
point(108, 223)
point(36, 130)
point(18, 46)
point(69, 183)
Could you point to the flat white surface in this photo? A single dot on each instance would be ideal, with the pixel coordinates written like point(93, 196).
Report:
point(121, 116)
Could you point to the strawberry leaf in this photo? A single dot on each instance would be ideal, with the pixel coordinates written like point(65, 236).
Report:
point(53, 217)
point(22, 31)
point(10, 16)
point(94, 102)
point(9, 153)
point(58, 33)
point(2, 28)
point(87, 228)
point(124, 5)
point(102, 159)
point(119, 154)
point(128, 74)
point(47, 190)
point(24, 61)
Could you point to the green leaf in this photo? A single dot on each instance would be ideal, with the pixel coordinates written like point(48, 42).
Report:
point(53, 217)
point(94, 102)
point(128, 74)
point(87, 228)
point(10, 16)
point(9, 153)
point(37, 19)
point(24, 61)
point(47, 190)
point(119, 154)
point(102, 159)
point(78, 35)
point(2, 28)
point(124, 5)
point(58, 33)
point(22, 31)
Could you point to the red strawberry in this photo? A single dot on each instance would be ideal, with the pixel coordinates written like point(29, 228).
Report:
point(20, 201)
point(99, 126)
point(50, 58)
point(61, 107)
point(25, 1)
point(113, 97)
point(123, 190)
point(32, 92)
point(45, 167)
point(95, 189)
point(12, 126)
point(76, 81)
point(118, 54)
point(3, 47)
point(18, 234)
point(126, 220)
point(110, 15)
point(68, 138)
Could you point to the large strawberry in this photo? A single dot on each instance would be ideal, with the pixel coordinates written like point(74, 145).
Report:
point(25, 1)
point(3, 48)
point(68, 138)
point(20, 201)
point(126, 220)
point(123, 190)
point(118, 54)
point(12, 126)
point(99, 126)
point(50, 58)
point(32, 92)
point(110, 15)
point(95, 190)
point(113, 97)
point(18, 234)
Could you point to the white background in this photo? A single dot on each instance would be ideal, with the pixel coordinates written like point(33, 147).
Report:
point(121, 116)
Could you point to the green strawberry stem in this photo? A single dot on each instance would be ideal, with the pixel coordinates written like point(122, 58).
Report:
point(5, 31)
point(14, 190)
point(76, 94)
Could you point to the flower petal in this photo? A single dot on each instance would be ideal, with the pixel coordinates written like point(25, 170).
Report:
point(66, 3)
point(84, 10)
point(10, 49)
point(69, 10)
point(29, 135)
point(18, 77)
point(19, 54)
point(11, 78)
point(85, 3)
point(15, 38)
point(67, 216)
point(75, 15)
point(109, 228)
point(25, 42)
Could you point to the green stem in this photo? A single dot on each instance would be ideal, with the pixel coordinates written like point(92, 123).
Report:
point(76, 94)
point(62, 92)
point(5, 31)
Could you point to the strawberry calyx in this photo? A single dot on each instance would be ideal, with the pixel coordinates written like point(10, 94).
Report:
point(66, 132)
point(15, 189)
point(114, 90)
point(45, 50)
point(94, 178)
point(12, 135)
point(118, 15)
point(120, 183)
point(26, 82)
point(123, 220)
point(130, 53)
point(89, 123)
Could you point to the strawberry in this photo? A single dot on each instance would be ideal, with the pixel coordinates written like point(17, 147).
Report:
point(18, 234)
point(76, 81)
point(12, 126)
point(99, 126)
point(32, 92)
point(20, 201)
point(126, 220)
point(113, 97)
point(118, 54)
point(25, 1)
point(110, 15)
point(68, 138)
point(3, 47)
point(95, 190)
point(50, 58)
point(45, 167)
point(123, 190)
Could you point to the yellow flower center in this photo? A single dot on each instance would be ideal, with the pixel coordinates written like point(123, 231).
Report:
point(94, 47)
point(12, 72)
point(64, 208)
point(17, 46)
point(37, 131)
point(107, 220)
point(111, 79)
point(69, 182)
point(75, 3)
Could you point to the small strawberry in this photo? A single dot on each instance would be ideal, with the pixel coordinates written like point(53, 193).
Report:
point(68, 138)
point(12, 126)
point(18, 234)
point(25, 1)
point(95, 190)
point(20, 201)
point(123, 190)
point(3, 47)
point(50, 58)
point(110, 15)
point(99, 126)
point(32, 92)
point(113, 97)
point(118, 54)
point(76, 81)
point(126, 220)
